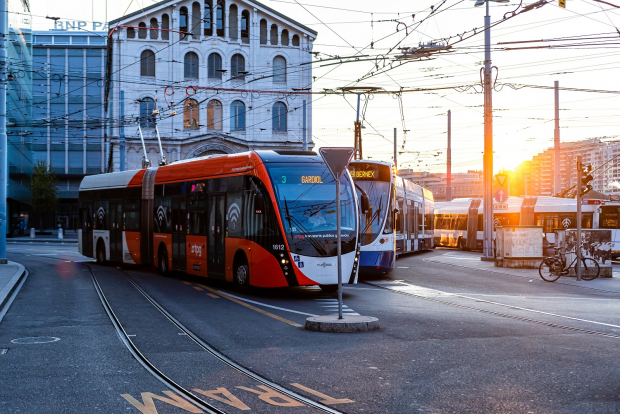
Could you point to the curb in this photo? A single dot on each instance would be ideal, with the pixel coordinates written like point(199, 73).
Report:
point(39, 241)
point(348, 324)
point(5, 294)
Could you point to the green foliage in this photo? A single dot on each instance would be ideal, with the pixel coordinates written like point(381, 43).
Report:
point(44, 190)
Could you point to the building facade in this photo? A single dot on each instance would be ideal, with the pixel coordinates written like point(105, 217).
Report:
point(468, 184)
point(19, 114)
point(208, 77)
point(537, 175)
point(68, 111)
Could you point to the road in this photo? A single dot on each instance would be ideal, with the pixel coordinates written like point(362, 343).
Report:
point(455, 337)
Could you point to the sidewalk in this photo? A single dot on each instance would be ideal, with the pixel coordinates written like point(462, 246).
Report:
point(70, 236)
point(472, 260)
point(10, 276)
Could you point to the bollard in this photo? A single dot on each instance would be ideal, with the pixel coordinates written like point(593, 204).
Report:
point(60, 233)
point(32, 233)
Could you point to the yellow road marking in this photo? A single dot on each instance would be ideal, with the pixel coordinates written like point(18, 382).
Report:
point(197, 288)
point(325, 399)
point(213, 296)
point(247, 305)
point(187, 283)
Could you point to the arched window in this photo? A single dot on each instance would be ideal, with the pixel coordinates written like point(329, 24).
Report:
point(191, 65)
point(214, 64)
point(273, 34)
point(279, 69)
point(237, 116)
point(278, 121)
point(237, 67)
point(142, 30)
point(208, 18)
point(154, 25)
point(295, 40)
point(233, 27)
point(196, 19)
point(284, 37)
point(191, 114)
point(214, 115)
point(147, 120)
point(183, 19)
point(219, 18)
point(245, 26)
point(131, 33)
point(147, 63)
point(165, 25)
point(279, 117)
point(263, 32)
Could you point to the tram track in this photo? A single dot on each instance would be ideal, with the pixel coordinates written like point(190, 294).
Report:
point(220, 358)
point(500, 314)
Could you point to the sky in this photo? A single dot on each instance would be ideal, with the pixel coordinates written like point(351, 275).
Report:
point(585, 55)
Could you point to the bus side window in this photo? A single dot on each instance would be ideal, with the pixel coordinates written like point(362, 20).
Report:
point(438, 221)
point(480, 223)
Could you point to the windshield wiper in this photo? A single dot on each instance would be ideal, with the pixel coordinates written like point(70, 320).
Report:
point(374, 215)
point(307, 235)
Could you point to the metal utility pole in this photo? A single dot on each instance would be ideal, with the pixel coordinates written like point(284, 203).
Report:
point(556, 138)
point(305, 140)
point(395, 151)
point(578, 197)
point(358, 131)
point(4, 30)
point(449, 159)
point(488, 143)
point(121, 138)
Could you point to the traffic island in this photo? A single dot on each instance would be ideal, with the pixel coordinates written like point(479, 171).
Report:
point(348, 323)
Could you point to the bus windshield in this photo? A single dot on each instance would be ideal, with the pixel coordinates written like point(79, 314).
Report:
point(306, 196)
point(374, 180)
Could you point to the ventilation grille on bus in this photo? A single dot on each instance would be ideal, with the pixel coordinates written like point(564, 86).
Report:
point(291, 152)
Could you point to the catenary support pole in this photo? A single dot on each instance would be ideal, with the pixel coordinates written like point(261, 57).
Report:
point(4, 23)
point(121, 137)
point(449, 159)
point(304, 126)
point(556, 140)
point(395, 150)
point(339, 249)
point(488, 142)
point(578, 197)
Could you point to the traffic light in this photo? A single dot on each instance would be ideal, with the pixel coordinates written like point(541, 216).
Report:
point(586, 177)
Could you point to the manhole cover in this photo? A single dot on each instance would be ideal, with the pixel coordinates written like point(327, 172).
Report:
point(35, 340)
point(3, 351)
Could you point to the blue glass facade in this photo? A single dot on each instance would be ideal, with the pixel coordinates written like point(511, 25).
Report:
point(19, 114)
point(68, 111)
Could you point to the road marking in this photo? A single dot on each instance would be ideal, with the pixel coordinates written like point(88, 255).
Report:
point(148, 405)
point(273, 397)
point(332, 304)
point(247, 305)
point(269, 306)
point(213, 296)
point(187, 283)
point(326, 399)
point(198, 288)
point(226, 397)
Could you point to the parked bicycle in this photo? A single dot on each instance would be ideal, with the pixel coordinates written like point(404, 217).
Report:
point(552, 267)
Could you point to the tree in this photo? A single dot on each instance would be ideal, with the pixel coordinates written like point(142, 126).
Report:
point(44, 190)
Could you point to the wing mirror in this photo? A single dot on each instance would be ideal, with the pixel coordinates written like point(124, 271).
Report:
point(365, 203)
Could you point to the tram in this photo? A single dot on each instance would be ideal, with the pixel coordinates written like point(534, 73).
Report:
point(459, 223)
point(259, 218)
point(397, 220)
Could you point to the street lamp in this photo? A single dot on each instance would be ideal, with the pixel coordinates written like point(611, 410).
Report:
point(487, 163)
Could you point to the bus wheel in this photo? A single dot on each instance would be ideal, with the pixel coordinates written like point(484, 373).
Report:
point(329, 288)
point(162, 262)
point(242, 276)
point(100, 252)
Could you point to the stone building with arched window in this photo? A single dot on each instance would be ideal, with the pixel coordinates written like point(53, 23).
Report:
point(211, 76)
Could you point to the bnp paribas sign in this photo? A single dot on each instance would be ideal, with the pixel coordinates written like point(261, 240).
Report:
point(79, 25)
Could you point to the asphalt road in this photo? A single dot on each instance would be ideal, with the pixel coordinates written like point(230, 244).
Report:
point(453, 339)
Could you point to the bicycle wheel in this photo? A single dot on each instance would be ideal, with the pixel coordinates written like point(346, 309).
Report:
point(591, 269)
point(547, 270)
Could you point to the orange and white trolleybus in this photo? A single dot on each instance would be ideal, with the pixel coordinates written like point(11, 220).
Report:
point(259, 218)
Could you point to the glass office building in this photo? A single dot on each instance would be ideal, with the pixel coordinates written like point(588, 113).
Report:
point(68, 111)
point(19, 114)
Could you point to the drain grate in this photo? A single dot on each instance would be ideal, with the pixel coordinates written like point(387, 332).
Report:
point(3, 351)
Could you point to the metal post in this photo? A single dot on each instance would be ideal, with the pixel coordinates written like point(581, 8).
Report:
point(395, 151)
point(4, 23)
point(304, 136)
point(449, 159)
point(488, 142)
point(121, 145)
point(339, 249)
point(556, 138)
point(578, 197)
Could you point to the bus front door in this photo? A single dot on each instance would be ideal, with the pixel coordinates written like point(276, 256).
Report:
point(87, 229)
point(116, 231)
point(216, 260)
point(179, 229)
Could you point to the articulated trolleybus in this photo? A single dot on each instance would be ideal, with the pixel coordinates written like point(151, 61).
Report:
point(398, 219)
point(264, 218)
